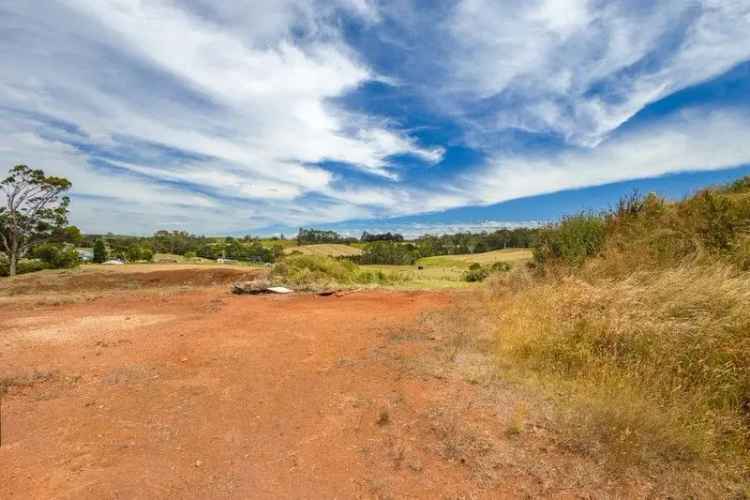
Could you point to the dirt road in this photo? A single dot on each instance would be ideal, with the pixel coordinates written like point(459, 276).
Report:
point(164, 385)
point(200, 394)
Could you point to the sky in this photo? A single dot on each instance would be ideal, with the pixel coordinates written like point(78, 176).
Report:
point(261, 116)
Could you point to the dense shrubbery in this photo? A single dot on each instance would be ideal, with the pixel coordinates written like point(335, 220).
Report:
point(572, 241)
point(316, 271)
point(642, 315)
point(24, 266)
point(57, 256)
point(45, 256)
point(647, 232)
point(137, 252)
point(389, 252)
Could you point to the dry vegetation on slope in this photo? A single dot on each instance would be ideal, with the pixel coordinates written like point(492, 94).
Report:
point(637, 323)
point(324, 250)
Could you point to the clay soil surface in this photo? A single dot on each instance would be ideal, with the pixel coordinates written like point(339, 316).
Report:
point(147, 388)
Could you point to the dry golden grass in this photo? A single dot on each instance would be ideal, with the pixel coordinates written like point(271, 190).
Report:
point(653, 369)
point(511, 255)
point(324, 250)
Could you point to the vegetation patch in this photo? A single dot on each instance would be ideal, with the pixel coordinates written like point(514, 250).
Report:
point(510, 255)
point(637, 322)
point(315, 271)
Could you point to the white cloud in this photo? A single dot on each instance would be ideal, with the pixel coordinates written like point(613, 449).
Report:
point(550, 54)
point(238, 90)
point(691, 141)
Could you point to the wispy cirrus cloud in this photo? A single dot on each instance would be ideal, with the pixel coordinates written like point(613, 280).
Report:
point(229, 116)
point(581, 68)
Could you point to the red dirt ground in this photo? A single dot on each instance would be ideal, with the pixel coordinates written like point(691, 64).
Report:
point(201, 394)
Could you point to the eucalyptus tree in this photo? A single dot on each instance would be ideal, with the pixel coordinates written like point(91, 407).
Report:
point(35, 210)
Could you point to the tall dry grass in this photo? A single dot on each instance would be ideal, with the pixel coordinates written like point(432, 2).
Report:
point(660, 360)
point(639, 326)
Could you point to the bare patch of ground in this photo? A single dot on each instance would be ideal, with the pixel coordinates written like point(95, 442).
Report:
point(131, 277)
point(203, 394)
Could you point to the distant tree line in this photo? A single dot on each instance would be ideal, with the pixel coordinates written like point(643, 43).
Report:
point(143, 248)
point(368, 237)
point(395, 251)
point(318, 236)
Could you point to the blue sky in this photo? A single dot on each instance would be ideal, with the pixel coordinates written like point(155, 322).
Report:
point(259, 116)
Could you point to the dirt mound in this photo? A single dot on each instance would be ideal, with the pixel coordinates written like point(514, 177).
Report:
point(98, 281)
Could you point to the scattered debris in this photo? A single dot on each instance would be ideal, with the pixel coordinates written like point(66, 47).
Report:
point(251, 287)
point(257, 287)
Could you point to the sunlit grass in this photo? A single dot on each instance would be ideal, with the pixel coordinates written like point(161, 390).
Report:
point(511, 255)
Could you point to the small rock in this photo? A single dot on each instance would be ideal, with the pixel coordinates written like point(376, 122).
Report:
point(198, 463)
point(183, 360)
point(415, 465)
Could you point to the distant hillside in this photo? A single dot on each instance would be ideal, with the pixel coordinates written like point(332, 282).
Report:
point(326, 249)
point(484, 258)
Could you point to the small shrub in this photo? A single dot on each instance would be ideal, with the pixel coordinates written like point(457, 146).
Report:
point(501, 267)
point(24, 266)
point(571, 242)
point(476, 274)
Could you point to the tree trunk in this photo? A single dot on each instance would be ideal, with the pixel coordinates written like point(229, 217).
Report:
point(13, 260)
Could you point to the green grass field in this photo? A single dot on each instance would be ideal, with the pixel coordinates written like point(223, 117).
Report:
point(269, 243)
point(410, 277)
point(510, 255)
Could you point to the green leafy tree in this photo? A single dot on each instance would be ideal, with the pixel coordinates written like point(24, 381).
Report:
point(134, 253)
point(100, 251)
point(57, 256)
point(147, 254)
point(35, 209)
point(69, 234)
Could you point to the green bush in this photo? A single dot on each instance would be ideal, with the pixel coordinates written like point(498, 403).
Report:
point(389, 253)
point(501, 267)
point(315, 270)
point(23, 267)
point(570, 242)
point(147, 254)
point(478, 273)
point(100, 251)
point(56, 256)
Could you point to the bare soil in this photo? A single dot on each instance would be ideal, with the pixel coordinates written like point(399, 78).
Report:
point(196, 393)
